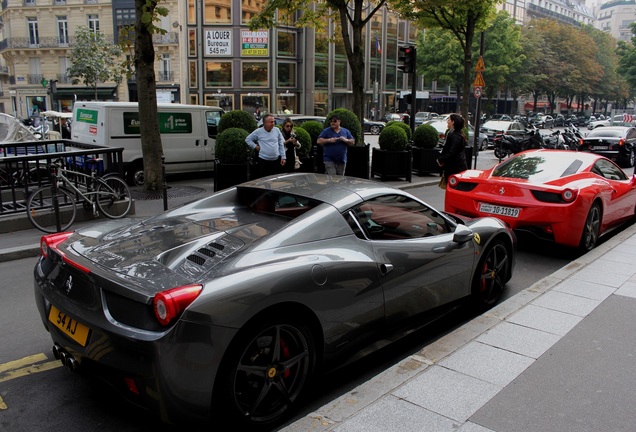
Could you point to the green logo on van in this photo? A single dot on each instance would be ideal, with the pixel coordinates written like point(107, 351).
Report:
point(169, 123)
point(86, 116)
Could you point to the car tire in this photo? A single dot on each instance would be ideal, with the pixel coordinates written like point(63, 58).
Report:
point(484, 145)
point(375, 129)
point(630, 160)
point(264, 372)
point(591, 228)
point(491, 275)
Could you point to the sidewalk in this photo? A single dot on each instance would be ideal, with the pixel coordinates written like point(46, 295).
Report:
point(559, 356)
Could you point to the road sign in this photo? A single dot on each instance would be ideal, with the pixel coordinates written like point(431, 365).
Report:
point(479, 81)
point(480, 66)
point(477, 92)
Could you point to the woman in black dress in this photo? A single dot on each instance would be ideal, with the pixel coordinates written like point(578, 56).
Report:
point(291, 144)
point(452, 159)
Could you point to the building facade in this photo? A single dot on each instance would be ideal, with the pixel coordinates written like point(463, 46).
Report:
point(614, 17)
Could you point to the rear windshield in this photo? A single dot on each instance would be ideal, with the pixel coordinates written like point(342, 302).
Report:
point(537, 168)
point(273, 202)
point(610, 133)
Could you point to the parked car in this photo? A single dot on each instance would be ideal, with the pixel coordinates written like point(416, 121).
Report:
point(373, 127)
point(391, 117)
point(223, 309)
point(614, 142)
point(298, 119)
point(421, 117)
point(502, 117)
point(542, 121)
point(441, 127)
point(570, 198)
point(559, 120)
point(618, 120)
point(513, 128)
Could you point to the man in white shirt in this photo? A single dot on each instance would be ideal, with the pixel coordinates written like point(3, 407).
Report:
point(268, 141)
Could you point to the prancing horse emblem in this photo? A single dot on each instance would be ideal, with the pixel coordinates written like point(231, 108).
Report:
point(502, 191)
point(68, 285)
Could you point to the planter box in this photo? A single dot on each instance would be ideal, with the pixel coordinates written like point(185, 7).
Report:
point(424, 161)
point(391, 164)
point(228, 175)
point(358, 161)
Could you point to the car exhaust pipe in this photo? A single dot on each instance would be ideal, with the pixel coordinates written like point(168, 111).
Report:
point(65, 358)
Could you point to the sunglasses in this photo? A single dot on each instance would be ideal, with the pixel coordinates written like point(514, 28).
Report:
point(333, 121)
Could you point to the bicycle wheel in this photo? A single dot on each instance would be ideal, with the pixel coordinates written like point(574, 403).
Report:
point(41, 212)
point(113, 197)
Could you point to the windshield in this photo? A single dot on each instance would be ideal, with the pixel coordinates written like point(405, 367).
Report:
point(607, 133)
point(538, 168)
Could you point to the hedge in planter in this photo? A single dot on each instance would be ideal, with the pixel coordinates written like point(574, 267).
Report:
point(393, 159)
point(232, 165)
point(406, 128)
point(425, 140)
point(237, 119)
point(304, 152)
point(425, 136)
point(393, 138)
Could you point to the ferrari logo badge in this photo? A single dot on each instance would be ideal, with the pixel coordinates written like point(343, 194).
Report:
point(502, 191)
point(477, 238)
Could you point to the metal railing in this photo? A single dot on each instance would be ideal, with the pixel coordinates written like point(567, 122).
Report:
point(23, 166)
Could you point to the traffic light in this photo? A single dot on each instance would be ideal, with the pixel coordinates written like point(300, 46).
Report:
point(406, 59)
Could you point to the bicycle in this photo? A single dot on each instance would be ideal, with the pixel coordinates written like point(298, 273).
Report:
point(55, 205)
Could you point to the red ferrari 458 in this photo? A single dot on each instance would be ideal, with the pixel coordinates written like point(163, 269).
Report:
point(567, 197)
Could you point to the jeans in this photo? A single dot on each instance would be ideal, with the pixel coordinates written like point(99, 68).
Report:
point(333, 168)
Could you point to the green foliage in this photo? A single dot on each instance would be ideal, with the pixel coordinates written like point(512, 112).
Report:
point(348, 120)
point(304, 138)
point(314, 128)
point(425, 136)
point(231, 147)
point(93, 59)
point(406, 128)
point(393, 138)
point(237, 119)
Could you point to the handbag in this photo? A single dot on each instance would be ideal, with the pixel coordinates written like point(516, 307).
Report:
point(297, 163)
point(442, 181)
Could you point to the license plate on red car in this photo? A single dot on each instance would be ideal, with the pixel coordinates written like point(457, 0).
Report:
point(499, 210)
point(70, 327)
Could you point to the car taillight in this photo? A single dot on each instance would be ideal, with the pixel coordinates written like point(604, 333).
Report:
point(168, 305)
point(621, 142)
point(452, 181)
point(50, 243)
point(568, 195)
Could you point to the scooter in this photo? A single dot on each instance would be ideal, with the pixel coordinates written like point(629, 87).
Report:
point(506, 145)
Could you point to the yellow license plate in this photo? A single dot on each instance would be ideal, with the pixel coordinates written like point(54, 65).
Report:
point(70, 327)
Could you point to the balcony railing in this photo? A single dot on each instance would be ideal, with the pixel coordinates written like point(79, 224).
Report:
point(167, 39)
point(164, 76)
point(4, 70)
point(64, 79)
point(43, 42)
point(35, 78)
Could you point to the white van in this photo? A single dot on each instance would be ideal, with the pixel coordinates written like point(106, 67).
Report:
point(188, 134)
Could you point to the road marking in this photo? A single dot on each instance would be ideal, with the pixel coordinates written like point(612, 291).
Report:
point(26, 366)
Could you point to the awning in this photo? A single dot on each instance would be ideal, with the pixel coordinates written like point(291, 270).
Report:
point(418, 94)
point(104, 92)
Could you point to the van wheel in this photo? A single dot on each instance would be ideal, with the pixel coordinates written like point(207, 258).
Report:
point(135, 176)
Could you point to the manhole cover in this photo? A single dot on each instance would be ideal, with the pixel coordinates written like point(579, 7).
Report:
point(173, 192)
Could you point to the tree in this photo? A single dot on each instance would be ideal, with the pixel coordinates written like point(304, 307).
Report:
point(350, 16)
point(462, 17)
point(93, 59)
point(147, 13)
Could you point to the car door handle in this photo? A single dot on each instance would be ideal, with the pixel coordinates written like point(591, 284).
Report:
point(196, 143)
point(385, 268)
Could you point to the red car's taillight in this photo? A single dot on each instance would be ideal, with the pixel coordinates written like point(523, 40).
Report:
point(452, 181)
point(168, 305)
point(569, 195)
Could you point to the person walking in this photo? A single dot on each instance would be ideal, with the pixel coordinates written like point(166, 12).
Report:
point(335, 140)
point(291, 144)
point(269, 143)
point(452, 158)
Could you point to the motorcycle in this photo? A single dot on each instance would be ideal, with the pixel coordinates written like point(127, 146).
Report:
point(506, 145)
point(556, 140)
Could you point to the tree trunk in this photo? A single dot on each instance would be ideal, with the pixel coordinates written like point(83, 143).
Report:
point(151, 147)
